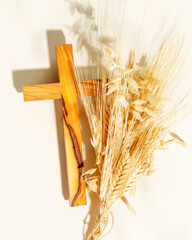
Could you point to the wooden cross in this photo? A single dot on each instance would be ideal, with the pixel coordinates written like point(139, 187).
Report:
point(68, 92)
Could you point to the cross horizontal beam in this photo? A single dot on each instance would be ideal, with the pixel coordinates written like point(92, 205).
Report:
point(53, 90)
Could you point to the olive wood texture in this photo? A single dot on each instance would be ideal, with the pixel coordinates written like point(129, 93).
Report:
point(53, 90)
point(42, 92)
point(71, 123)
point(68, 91)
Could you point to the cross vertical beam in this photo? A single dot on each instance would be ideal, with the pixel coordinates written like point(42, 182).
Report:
point(71, 123)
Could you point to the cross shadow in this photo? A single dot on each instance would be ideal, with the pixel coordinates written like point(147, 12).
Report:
point(43, 76)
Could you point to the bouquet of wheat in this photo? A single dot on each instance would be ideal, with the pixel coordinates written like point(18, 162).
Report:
point(137, 103)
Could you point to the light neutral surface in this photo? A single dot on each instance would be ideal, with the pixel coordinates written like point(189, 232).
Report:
point(32, 184)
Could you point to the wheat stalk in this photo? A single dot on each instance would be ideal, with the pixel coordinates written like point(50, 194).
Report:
point(134, 109)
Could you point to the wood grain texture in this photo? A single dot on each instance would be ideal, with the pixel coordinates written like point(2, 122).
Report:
point(53, 90)
point(42, 92)
point(68, 91)
point(71, 123)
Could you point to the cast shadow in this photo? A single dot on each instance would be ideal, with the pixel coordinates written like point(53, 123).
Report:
point(43, 76)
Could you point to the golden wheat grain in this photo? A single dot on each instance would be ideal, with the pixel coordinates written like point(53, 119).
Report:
point(135, 107)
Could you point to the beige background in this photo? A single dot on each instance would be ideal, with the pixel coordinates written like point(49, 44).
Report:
point(33, 185)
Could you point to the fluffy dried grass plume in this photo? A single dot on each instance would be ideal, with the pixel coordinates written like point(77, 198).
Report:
point(136, 106)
